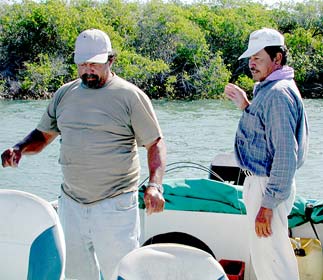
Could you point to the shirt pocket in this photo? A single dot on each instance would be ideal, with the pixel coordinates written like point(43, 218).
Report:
point(251, 134)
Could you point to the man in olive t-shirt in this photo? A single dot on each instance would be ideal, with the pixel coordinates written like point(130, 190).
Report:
point(101, 119)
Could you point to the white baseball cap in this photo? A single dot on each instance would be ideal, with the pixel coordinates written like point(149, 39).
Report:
point(92, 46)
point(262, 38)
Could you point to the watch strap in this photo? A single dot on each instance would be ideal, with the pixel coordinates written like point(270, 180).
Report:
point(159, 187)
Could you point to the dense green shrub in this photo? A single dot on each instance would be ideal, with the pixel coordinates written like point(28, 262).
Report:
point(43, 76)
point(245, 83)
point(141, 71)
point(169, 49)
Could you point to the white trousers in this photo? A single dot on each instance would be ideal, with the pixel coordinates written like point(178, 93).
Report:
point(98, 235)
point(272, 257)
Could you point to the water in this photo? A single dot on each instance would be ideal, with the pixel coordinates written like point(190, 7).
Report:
point(194, 131)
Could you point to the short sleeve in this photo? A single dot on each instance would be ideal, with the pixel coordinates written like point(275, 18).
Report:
point(144, 121)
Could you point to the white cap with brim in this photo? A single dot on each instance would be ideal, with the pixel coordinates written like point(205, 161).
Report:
point(263, 38)
point(93, 46)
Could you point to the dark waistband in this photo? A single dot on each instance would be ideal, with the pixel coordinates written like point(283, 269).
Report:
point(247, 173)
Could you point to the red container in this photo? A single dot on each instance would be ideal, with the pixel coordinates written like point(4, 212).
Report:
point(233, 269)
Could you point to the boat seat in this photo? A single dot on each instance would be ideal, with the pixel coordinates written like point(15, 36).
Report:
point(32, 244)
point(179, 238)
point(226, 166)
point(168, 261)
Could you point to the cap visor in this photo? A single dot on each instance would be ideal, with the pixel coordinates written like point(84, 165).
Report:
point(82, 58)
point(246, 54)
point(250, 52)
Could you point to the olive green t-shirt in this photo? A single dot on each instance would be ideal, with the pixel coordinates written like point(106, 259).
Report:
point(101, 130)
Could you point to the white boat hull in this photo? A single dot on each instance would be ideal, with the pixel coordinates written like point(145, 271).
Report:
point(225, 234)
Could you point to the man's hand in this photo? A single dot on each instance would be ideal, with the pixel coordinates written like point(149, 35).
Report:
point(263, 222)
point(154, 200)
point(237, 95)
point(33, 143)
point(11, 157)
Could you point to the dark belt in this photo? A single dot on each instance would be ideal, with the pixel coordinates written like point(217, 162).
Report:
point(247, 173)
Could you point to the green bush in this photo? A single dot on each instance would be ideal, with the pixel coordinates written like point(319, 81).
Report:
point(141, 71)
point(212, 78)
point(246, 84)
point(169, 49)
point(43, 76)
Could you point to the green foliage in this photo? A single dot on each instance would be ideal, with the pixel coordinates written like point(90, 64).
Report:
point(141, 71)
point(123, 18)
point(227, 29)
point(212, 78)
point(30, 28)
point(169, 49)
point(246, 84)
point(305, 54)
point(29, 32)
point(170, 84)
point(43, 76)
point(307, 15)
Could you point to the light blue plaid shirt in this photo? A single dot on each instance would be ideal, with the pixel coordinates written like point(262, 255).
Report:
point(272, 136)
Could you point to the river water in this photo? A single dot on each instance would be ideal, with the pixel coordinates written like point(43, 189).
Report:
point(194, 132)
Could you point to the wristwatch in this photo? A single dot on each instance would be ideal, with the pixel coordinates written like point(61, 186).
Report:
point(157, 186)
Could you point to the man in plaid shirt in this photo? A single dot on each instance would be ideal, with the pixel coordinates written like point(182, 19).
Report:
point(271, 143)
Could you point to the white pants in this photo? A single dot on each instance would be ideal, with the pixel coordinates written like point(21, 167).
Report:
point(98, 235)
point(272, 257)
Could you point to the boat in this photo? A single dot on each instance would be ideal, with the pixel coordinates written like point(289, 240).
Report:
point(201, 234)
point(32, 244)
point(209, 214)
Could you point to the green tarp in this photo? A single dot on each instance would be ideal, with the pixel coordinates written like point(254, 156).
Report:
point(206, 195)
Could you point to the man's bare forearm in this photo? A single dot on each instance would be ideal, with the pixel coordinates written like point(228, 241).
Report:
point(157, 161)
point(35, 142)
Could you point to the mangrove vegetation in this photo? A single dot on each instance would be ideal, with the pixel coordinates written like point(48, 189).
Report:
point(172, 49)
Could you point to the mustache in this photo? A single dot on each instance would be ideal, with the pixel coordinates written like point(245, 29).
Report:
point(89, 76)
point(91, 80)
